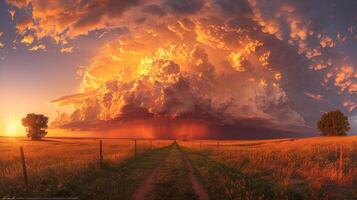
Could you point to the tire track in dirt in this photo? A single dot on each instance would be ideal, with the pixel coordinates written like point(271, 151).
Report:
point(197, 186)
point(148, 184)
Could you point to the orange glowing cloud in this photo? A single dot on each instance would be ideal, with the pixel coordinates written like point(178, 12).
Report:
point(24, 24)
point(28, 39)
point(1, 44)
point(223, 61)
point(316, 97)
point(350, 105)
point(66, 50)
point(73, 17)
point(345, 79)
point(38, 47)
point(182, 68)
point(144, 76)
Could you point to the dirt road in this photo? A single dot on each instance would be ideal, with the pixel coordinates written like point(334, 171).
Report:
point(174, 178)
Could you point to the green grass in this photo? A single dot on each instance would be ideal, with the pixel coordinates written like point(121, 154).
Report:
point(119, 182)
point(227, 172)
point(224, 182)
point(113, 181)
point(306, 168)
point(231, 181)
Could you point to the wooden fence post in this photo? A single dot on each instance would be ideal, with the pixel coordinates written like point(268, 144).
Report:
point(217, 144)
point(100, 153)
point(24, 168)
point(340, 165)
point(200, 144)
point(151, 144)
point(135, 153)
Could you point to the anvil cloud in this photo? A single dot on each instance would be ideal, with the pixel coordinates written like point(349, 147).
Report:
point(267, 65)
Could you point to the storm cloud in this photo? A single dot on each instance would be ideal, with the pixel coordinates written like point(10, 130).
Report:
point(270, 66)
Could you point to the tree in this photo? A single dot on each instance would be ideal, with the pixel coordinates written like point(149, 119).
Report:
point(36, 126)
point(333, 123)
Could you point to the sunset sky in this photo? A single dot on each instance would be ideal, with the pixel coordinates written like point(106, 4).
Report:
point(250, 65)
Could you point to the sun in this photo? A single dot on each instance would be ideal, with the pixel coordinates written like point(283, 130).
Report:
point(12, 128)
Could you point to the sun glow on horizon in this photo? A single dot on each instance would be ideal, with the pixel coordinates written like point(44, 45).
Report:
point(13, 127)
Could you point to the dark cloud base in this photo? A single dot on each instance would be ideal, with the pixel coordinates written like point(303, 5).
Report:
point(165, 128)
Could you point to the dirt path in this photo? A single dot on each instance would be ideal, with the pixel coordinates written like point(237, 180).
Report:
point(147, 185)
point(197, 186)
point(173, 178)
point(114, 180)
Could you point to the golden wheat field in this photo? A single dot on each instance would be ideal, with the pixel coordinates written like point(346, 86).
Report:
point(327, 164)
point(320, 168)
point(61, 158)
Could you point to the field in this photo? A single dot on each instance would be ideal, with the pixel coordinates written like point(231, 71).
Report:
point(311, 168)
point(52, 163)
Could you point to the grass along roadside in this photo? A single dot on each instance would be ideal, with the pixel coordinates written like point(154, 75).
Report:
point(51, 163)
point(113, 181)
point(120, 182)
point(224, 182)
point(311, 168)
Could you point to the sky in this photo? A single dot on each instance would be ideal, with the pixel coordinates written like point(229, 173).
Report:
point(215, 68)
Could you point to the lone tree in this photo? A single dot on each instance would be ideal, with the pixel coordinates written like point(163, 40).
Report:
point(36, 126)
point(333, 123)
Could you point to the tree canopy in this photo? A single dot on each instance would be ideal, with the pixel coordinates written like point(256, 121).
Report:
point(333, 123)
point(36, 126)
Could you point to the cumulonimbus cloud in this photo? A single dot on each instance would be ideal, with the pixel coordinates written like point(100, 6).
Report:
point(220, 61)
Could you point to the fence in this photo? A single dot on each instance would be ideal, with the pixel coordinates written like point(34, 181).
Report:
point(101, 152)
